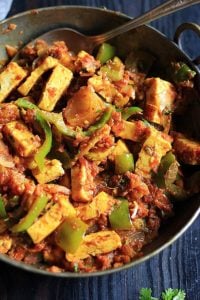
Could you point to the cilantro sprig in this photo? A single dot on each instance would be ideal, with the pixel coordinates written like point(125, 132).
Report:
point(169, 294)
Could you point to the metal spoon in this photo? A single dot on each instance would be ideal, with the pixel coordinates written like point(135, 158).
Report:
point(77, 41)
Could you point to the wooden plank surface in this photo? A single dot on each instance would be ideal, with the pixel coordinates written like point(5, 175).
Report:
point(178, 266)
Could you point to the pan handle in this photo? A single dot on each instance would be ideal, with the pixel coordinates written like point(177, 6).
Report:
point(183, 27)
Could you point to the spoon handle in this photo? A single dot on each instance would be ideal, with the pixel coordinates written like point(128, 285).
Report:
point(151, 15)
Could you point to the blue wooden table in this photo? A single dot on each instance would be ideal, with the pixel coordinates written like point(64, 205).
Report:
point(178, 266)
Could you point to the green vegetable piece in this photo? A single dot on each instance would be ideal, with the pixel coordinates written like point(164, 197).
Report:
point(105, 52)
point(165, 164)
point(70, 234)
point(35, 210)
point(124, 163)
point(146, 294)
point(46, 146)
point(114, 69)
point(169, 294)
point(101, 122)
point(183, 73)
point(173, 294)
point(57, 120)
point(129, 111)
point(120, 216)
point(24, 103)
point(166, 161)
point(3, 213)
point(53, 118)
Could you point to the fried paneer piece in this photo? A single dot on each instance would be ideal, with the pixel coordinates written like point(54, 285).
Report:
point(98, 136)
point(48, 63)
point(5, 243)
point(10, 78)
point(8, 112)
point(134, 131)
point(187, 150)
point(51, 171)
point(83, 108)
point(120, 148)
point(95, 244)
point(119, 94)
point(101, 204)
point(22, 140)
point(82, 181)
point(45, 225)
point(57, 84)
point(153, 149)
point(160, 96)
point(86, 63)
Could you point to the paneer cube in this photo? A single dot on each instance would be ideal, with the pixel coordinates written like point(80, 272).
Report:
point(153, 149)
point(48, 63)
point(120, 148)
point(160, 96)
point(99, 155)
point(134, 131)
point(187, 150)
point(98, 135)
point(57, 84)
point(10, 78)
point(101, 204)
point(86, 63)
point(45, 225)
point(82, 181)
point(51, 171)
point(83, 108)
point(5, 243)
point(96, 243)
point(22, 140)
point(104, 87)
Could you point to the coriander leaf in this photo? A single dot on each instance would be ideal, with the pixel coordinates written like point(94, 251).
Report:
point(173, 294)
point(146, 294)
point(76, 268)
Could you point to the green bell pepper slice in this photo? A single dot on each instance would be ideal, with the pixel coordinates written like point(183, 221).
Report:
point(166, 176)
point(165, 164)
point(101, 122)
point(53, 118)
point(24, 103)
point(35, 210)
point(46, 146)
point(57, 120)
point(105, 52)
point(114, 69)
point(124, 163)
point(70, 234)
point(183, 73)
point(120, 216)
point(3, 214)
point(129, 111)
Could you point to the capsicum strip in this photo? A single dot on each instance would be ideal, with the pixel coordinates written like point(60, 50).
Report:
point(52, 118)
point(101, 122)
point(35, 210)
point(70, 234)
point(3, 213)
point(120, 216)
